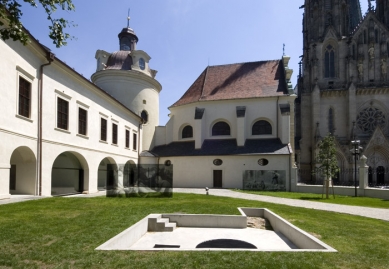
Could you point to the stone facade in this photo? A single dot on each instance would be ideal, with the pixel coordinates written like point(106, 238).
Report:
point(343, 87)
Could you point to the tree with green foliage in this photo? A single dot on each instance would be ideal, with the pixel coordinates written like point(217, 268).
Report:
point(327, 164)
point(12, 28)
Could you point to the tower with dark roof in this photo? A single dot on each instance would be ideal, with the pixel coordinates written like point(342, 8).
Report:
point(126, 75)
point(343, 87)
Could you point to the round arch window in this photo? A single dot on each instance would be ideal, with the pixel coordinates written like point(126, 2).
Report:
point(168, 163)
point(261, 127)
point(187, 132)
point(221, 128)
point(145, 116)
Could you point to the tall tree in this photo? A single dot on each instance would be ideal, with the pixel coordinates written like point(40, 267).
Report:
point(326, 160)
point(12, 28)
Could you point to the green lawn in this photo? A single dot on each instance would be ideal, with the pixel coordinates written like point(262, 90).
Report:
point(341, 200)
point(63, 233)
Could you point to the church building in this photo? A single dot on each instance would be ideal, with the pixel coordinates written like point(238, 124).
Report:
point(343, 87)
point(233, 128)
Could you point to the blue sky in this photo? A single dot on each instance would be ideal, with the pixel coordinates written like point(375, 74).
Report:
point(181, 36)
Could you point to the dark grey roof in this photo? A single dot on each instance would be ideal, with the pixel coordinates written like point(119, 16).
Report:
point(222, 147)
point(146, 153)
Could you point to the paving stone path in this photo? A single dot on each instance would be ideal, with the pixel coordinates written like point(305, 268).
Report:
point(375, 213)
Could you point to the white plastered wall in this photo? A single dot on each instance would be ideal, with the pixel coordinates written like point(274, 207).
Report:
point(197, 172)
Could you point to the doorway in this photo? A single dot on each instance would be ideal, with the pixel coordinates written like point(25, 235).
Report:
point(218, 178)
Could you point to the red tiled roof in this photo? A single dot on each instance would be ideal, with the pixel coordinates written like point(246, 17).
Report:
point(237, 81)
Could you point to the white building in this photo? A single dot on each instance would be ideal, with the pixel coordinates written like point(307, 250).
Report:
point(61, 133)
point(233, 128)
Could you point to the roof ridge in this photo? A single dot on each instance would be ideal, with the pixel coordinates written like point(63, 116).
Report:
point(274, 60)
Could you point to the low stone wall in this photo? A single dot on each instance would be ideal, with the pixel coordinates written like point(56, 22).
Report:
point(207, 221)
point(126, 238)
point(342, 190)
point(300, 238)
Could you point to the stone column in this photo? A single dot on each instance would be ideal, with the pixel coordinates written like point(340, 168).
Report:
point(4, 174)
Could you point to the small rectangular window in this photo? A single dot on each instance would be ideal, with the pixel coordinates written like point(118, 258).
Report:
point(114, 133)
point(62, 113)
point(103, 130)
point(82, 121)
point(24, 97)
point(127, 138)
point(134, 141)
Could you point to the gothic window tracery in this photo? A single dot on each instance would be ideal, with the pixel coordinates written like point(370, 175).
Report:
point(369, 118)
point(329, 62)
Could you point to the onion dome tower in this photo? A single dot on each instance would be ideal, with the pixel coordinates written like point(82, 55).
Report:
point(126, 75)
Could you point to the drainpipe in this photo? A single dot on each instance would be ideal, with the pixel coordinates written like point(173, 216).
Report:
point(140, 123)
point(278, 98)
point(290, 171)
point(50, 57)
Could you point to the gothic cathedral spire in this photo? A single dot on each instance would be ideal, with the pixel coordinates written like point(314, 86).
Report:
point(342, 15)
point(382, 11)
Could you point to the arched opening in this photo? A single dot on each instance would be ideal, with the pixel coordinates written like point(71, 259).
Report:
point(380, 175)
point(68, 174)
point(129, 175)
point(262, 127)
point(107, 174)
point(22, 176)
point(187, 132)
point(221, 128)
point(145, 116)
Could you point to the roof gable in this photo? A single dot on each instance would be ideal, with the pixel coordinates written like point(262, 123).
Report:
point(365, 25)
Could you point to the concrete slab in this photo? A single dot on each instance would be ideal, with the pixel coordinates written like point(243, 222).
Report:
point(215, 234)
point(189, 238)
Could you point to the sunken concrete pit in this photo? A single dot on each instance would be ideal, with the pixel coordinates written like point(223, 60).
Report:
point(257, 229)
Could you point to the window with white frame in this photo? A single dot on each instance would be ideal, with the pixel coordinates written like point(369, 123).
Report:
point(24, 107)
point(82, 121)
point(114, 133)
point(103, 129)
point(62, 113)
point(127, 142)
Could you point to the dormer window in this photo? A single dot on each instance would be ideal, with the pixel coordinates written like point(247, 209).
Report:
point(142, 64)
